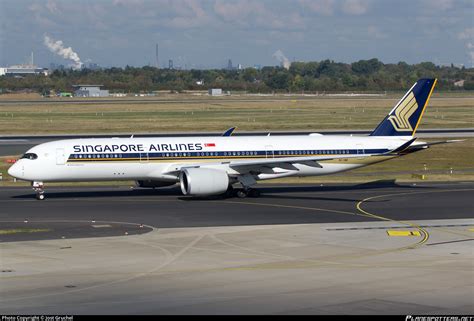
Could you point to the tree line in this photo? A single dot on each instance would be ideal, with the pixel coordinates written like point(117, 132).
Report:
point(316, 76)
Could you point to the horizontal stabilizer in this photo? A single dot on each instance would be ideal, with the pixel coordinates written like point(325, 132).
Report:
point(402, 147)
point(423, 145)
point(440, 142)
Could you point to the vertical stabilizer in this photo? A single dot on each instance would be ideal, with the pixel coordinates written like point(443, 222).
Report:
point(404, 118)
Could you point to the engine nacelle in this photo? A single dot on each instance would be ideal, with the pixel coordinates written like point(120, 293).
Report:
point(203, 181)
point(150, 183)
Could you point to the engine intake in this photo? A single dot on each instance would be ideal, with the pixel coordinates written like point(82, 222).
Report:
point(203, 181)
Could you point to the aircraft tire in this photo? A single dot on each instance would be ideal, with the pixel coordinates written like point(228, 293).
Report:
point(253, 193)
point(241, 194)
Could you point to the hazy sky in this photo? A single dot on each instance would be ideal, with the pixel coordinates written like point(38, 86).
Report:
point(208, 33)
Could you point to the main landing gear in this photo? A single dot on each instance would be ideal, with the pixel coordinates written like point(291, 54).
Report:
point(247, 181)
point(248, 192)
point(38, 188)
point(242, 193)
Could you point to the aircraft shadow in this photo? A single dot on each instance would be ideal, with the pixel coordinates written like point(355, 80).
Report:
point(376, 185)
point(136, 192)
point(268, 192)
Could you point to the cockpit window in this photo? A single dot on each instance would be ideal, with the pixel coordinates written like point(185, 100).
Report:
point(30, 156)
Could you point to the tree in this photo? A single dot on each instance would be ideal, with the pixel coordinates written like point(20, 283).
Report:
point(280, 80)
point(249, 75)
point(366, 67)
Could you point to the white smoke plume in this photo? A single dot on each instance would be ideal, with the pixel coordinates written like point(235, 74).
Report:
point(284, 62)
point(57, 47)
point(470, 47)
point(468, 35)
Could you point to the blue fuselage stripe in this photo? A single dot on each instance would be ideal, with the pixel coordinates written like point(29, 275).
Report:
point(77, 157)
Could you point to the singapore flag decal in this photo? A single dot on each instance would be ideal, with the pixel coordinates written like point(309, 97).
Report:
point(209, 145)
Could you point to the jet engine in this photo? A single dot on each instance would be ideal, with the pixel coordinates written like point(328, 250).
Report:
point(150, 183)
point(203, 181)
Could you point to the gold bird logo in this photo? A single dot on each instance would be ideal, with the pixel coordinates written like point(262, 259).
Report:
point(402, 113)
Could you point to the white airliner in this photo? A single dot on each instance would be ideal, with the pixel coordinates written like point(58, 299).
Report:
point(211, 165)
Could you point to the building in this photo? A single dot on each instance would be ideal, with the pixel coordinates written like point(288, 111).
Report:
point(23, 70)
point(90, 91)
point(215, 92)
point(93, 66)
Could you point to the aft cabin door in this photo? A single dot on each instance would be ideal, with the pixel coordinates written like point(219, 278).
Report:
point(60, 156)
point(360, 149)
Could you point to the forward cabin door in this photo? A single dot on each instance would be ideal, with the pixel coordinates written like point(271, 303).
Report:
point(144, 158)
point(60, 156)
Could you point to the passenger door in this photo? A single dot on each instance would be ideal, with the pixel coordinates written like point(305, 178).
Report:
point(143, 157)
point(269, 153)
point(60, 156)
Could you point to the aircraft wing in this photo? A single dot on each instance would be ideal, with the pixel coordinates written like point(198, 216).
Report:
point(285, 162)
point(243, 166)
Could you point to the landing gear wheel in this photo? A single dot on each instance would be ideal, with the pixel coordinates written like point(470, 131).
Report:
point(241, 194)
point(230, 192)
point(38, 188)
point(253, 192)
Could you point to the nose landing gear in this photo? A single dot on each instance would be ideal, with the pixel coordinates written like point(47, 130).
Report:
point(38, 188)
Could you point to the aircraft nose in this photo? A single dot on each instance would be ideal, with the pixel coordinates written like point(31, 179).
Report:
point(14, 171)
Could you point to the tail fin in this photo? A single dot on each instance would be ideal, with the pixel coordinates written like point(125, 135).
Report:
point(405, 117)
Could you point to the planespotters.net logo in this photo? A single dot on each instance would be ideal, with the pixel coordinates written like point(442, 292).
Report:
point(438, 318)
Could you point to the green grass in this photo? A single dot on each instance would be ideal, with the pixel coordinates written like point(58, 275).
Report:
point(194, 116)
point(23, 230)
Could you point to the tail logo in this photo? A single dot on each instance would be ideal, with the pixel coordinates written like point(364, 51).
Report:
point(402, 113)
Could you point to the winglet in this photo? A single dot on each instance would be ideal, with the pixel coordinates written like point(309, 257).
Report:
point(229, 132)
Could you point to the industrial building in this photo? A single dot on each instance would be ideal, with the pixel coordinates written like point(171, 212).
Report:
point(90, 91)
point(23, 70)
